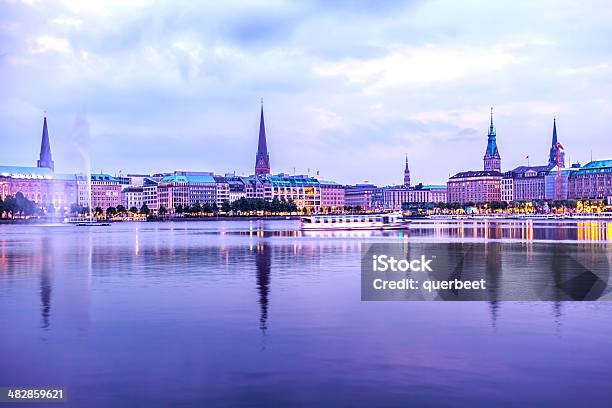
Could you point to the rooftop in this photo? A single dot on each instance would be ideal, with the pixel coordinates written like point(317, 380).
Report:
point(477, 173)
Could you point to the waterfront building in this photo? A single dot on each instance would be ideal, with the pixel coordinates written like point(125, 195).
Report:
point(132, 196)
point(149, 193)
point(262, 158)
point(302, 190)
point(258, 186)
point(222, 190)
point(136, 180)
point(492, 159)
point(332, 197)
point(105, 191)
point(237, 187)
point(49, 190)
point(363, 196)
point(552, 183)
point(474, 186)
point(592, 181)
point(394, 196)
point(479, 186)
point(525, 183)
point(186, 189)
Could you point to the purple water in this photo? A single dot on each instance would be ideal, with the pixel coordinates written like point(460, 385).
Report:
point(233, 313)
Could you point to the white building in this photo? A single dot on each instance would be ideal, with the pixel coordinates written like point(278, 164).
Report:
point(132, 197)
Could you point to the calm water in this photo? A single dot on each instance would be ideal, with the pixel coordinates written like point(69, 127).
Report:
point(233, 313)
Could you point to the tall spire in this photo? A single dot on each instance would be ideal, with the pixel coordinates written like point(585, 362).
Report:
point(45, 159)
point(406, 174)
point(492, 159)
point(262, 159)
point(555, 154)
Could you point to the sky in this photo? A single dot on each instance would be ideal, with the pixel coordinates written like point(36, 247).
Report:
point(349, 87)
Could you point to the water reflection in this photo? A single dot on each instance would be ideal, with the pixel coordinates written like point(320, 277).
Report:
point(45, 281)
point(263, 263)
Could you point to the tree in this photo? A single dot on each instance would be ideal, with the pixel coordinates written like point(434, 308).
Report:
point(226, 206)
point(196, 208)
point(98, 211)
point(179, 209)
point(162, 210)
point(145, 210)
point(207, 208)
point(133, 209)
point(121, 209)
point(111, 211)
point(75, 208)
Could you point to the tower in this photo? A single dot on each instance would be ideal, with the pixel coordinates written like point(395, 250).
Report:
point(492, 160)
point(407, 174)
point(262, 159)
point(556, 156)
point(45, 159)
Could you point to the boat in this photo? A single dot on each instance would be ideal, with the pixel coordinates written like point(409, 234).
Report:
point(384, 221)
point(87, 222)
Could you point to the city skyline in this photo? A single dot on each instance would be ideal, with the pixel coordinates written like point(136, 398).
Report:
point(166, 88)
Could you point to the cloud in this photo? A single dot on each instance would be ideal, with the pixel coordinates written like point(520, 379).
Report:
point(178, 84)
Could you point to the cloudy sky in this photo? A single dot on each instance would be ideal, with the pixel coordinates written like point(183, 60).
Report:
point(348, 88)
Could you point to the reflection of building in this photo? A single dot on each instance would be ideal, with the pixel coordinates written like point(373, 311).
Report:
point(479, 186)
point(263, 264)
point(593, 181)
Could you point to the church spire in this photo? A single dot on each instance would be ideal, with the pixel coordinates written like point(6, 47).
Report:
point(492, 159)
point(555, 154)
point(406, 174)
point(262, 159)
point(45, 159)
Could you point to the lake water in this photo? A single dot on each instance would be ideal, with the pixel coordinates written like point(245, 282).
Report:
point(239, 313)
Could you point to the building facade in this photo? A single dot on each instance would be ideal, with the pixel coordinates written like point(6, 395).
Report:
point(362, 196)
point(474, 186)
point(592, 181)
point(304, 191)
point(105, 191)
point(222, 190)
point(479, 186)
point(132, 197)
point(332, 197)
point(149, 193)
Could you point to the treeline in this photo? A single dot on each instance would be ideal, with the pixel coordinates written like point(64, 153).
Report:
point(248, 205)
point(17, 206)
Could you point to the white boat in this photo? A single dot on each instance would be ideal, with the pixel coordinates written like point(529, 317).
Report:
point(353, 222)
